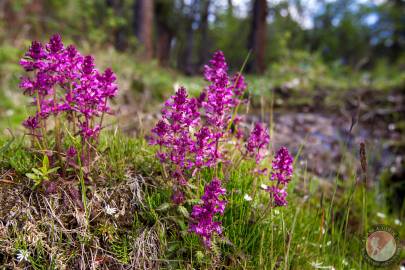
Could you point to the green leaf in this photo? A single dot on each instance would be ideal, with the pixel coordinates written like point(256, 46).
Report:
point(45, 162)
point(37, 172)
point(53, 170)
point(182, 210)
point(32, 176)
point(180, 222)
point(163, 207)
point(192, 186)
point(193, 201)
point(37, 183)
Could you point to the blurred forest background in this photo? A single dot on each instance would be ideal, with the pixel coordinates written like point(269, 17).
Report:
point(332, 70)
point(181, 34)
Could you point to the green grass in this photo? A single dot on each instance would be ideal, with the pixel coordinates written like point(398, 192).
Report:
point(320, 225)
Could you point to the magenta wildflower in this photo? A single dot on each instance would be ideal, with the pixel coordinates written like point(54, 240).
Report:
point(31, 123)
point(84, 89)
point(258, 142)
point(173, 133)
point(71, 152)
point(88, 65)
point(178, 197)
point(36, 51)
point(239, 84)
point(66, 84)
point(191, 128)
point(219, 96)
point(202, 215)
point(282, 166)
point(281, 174)
point(55, 44)
point(279, 195)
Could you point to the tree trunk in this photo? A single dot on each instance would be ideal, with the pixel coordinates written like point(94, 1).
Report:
point(164, 45)
point(185, 56)
point(165, 31)
point(230, 8)
point(257, 38)
point(203, 52)
point(143, 10)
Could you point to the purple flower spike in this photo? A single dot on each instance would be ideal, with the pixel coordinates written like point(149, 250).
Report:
point(239, 84)
point(178, 197)
point(72, 51)
point(203, 223)
point(282, 166)
point(88, 64)
point(258, 142)
point(278, 195)
point(36, 51)
point(80, 88)
point(71, 152)
point(31, 123)
point(55, 43)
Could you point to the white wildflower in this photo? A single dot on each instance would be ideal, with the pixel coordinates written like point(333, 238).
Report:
point(398, 222)
point(22, 255)
point(276, 212)
point(328, 243)
point(380, 215)
point(402, 267)
point(318, 265)
point(263, 186)
point(110, 210)
point(345, 262)
point(247, 197)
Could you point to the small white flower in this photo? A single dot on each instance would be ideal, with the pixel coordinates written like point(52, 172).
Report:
point(110, 210)
point(328, 243)
point(398, 222)
point(263, 186)
point(22, 255)
point(247, 197)
point(318, 265)
point(276, 212)
point(380, 215)
point(402, 267)
point(344, 262)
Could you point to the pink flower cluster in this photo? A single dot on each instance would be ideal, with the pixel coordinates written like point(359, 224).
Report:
point(258, 142)
point(281, 175)
point(223, 94)
point(191, 134)
point(203, 223)
point(190, 130)
point(65, 82)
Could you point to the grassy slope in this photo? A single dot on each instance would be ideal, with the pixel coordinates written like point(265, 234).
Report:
point(150, 232)
point(314, 228)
